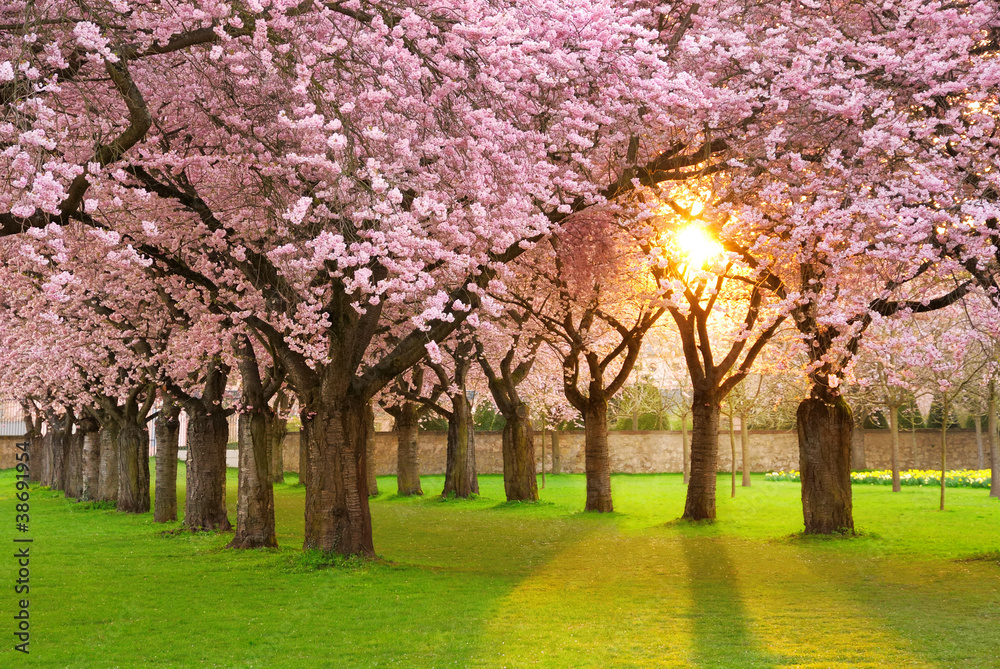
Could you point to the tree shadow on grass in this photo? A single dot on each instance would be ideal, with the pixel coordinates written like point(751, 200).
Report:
point(722, 635)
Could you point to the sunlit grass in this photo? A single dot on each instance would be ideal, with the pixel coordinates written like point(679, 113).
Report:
point(482, 583)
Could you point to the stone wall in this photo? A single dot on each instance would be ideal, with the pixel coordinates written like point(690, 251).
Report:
point(8, 450)
point(649, 452)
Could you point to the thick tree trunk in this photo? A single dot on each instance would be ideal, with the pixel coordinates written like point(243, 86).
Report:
point(207, 435)
point(407, 465)
point(255, 495)
point(168, 428)
point(700, 502)
point(519, 456)
point(894, 434)
point(56, 454)
point(460, 477)
point(91, 461)
point(597, 459)
point(825, 430)
point(745, 448)
point(370, 473)
point(73, 471)
point(277, 428)
point(556, 453)
point(994, 443)
point(685, 450)
point(337, 515)
point(107, 484)
point(37, 452)
point(133, 467)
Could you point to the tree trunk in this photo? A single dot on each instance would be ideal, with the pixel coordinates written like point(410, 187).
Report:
point(994, 443)
point(73, 471)
point(745, 448)
point(168, 428)
point(979, 441)
point(304, 420)
point(407, 465)
point(894, 433)
point(597, 458)
point(685, 450)
point(519, 456)
point(56, 454)
point(255, 495)
point(825, 462)
point(337, 518)
point(700, 503)
point(107, 484)
point(732, 453)
point(372, 480)
point(460, 470)
point(44, 460)
point(944, 446)
point(133, 467)
point(277, 429)
point(556, 453)
point(207, 435)
point(37, 449)
point(91, 461)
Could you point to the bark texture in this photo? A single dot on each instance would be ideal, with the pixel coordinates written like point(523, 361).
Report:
point(597, 460)
point(255, 496)
point(277, 430)
point(255, 493)
point(460, 478)
point(556, 453)
point(91, 461)
point(685, 450)
point(168, 428)
point(107, 484)
point(894, 435)
point(407, 462)
point(994, 443)
point(745, 447)
point(33, 435)
point(73, 471)
point(207, 435)
point(133, 467)
point(519, 456)
point(337, 517)
point(824, 429)
point(700, 501)
point(370, 450)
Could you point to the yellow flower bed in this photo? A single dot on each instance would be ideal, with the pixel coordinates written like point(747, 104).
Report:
point(956, 478)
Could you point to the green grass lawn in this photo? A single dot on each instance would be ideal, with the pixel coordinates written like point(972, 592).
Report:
point(482, 583)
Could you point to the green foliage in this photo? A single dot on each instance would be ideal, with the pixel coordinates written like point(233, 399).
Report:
point(487, 418)
point(433, 422)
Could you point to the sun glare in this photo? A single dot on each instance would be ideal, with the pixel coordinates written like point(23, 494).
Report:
point(697, 245)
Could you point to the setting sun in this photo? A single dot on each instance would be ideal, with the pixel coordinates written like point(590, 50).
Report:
point(697, 245)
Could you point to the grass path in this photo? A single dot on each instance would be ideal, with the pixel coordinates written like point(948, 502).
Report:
point(483, 583)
